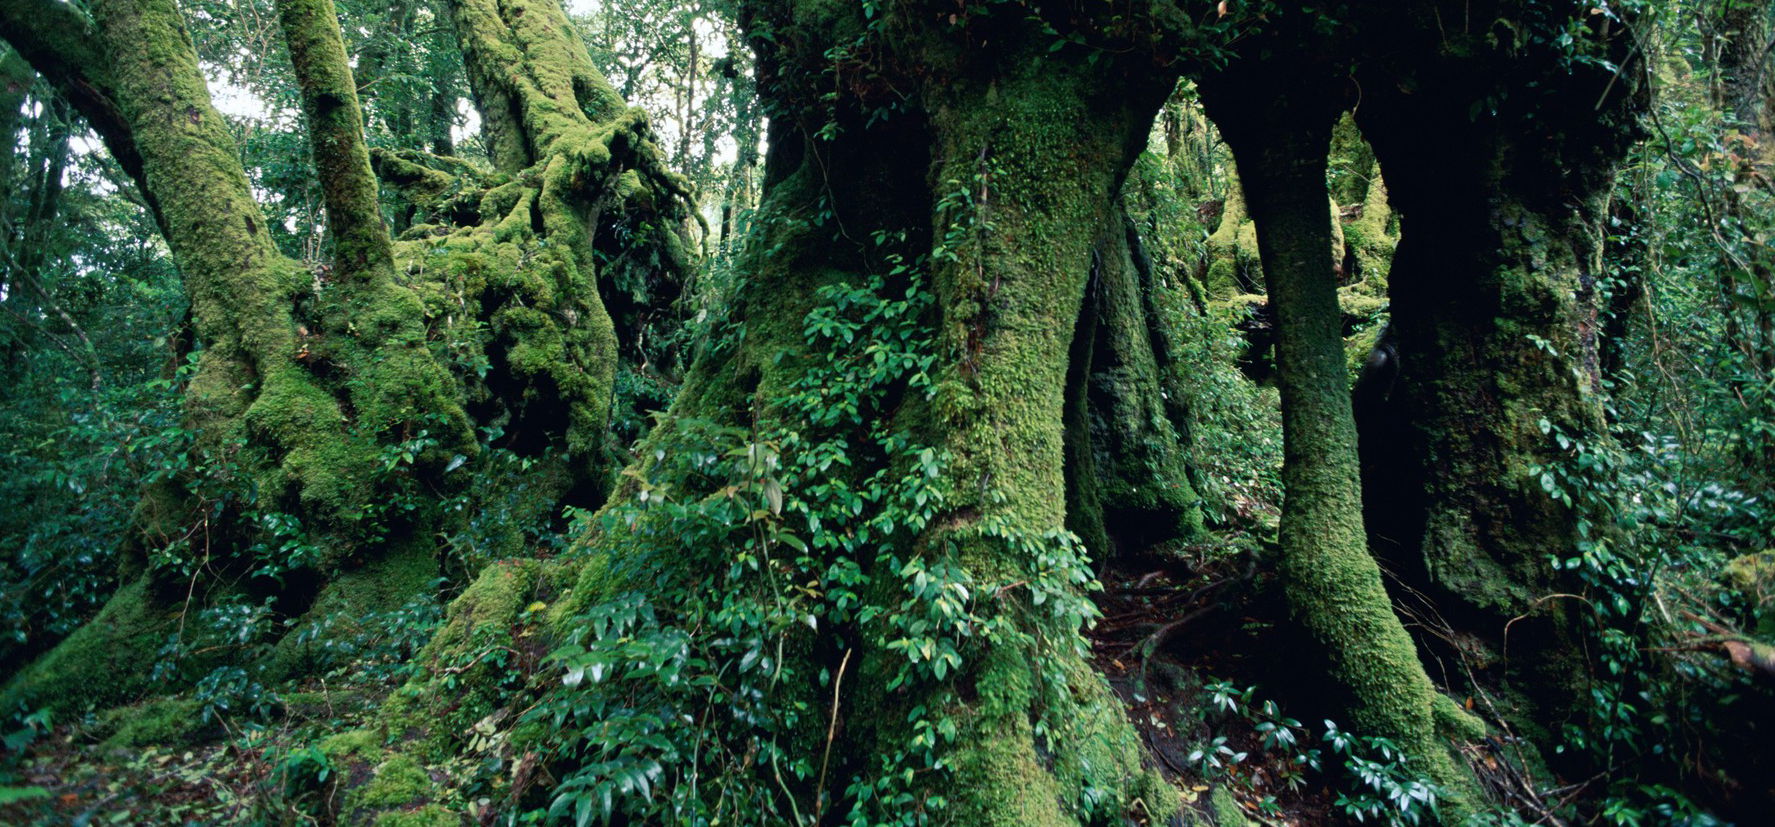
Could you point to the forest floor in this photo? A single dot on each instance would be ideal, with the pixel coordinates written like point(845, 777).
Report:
point(1177, 646)
point(207, 773)
point(1176, 642)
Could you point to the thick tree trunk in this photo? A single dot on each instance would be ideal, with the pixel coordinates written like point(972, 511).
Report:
point(1044, 145)
point(308, 381)
point(255, 397)
point(960, 594)
point(1492, 290)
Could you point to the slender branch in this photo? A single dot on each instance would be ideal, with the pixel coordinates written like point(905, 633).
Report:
point(336, 133)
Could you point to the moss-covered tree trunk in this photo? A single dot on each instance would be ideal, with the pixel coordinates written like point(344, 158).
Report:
point(891, 376)
point(255, 400)
point(585, 224)
point(328, 417)
point(1128, 478)
point(1279, 128)
point(1044, 144)
point(1494, 309)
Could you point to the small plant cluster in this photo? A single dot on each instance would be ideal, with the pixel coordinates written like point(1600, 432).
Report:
point(71, 483)
point(1371, 776)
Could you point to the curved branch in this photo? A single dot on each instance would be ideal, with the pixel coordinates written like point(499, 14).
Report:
point(56, 38)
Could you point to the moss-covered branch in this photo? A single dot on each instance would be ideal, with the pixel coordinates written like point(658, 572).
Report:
point(336, 135)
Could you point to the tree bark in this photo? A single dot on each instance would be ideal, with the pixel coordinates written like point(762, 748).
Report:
point(1492, 291)
point(1280, 129)
point(968, 197)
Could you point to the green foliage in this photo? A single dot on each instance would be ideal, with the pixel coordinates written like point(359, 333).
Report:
point(793, 538)
point(760, 546)
point(86, 429)
point(1237, 434)
point(1680, 488)
point(1372, 780)
point(377, 645)
point(1656, 714)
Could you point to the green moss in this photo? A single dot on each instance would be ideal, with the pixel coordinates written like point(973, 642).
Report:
point(999, 780)
point(1457, 724)
point(399, 782)
point(1222, 279)
point(1752, 572)
point(105, 662)
point(1357, 349)
point(363, 746)
point(1232, 248)
point(1371, 239)
point(336, 137)
point(1156, 799)
point(242, 291)
point(165, 722)
point(324, 704)
point(1226, 809)
point(1054, 167)
point(460, 687)
point(1358, 305)
point(1128, 470)
point(1332, 584)
point(374, 780)
point(1351, 162)
point(418, 179)
point(1101, 759)
point(430, 815)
